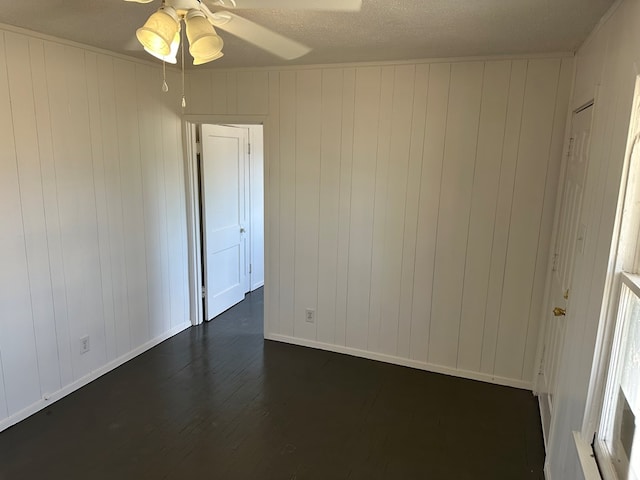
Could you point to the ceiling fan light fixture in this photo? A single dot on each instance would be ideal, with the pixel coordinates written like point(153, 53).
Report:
point(173, 53)
point(203, 60)
point(204, 42)
point(159, 31)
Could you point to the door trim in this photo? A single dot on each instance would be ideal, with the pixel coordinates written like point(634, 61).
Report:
point(194, 244)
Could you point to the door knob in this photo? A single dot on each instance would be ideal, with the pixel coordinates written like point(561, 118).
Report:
point(242, 230)
point(559, 312)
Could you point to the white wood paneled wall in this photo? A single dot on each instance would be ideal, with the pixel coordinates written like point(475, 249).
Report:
point(410, 205)
point(92, 217)
point(607, 70)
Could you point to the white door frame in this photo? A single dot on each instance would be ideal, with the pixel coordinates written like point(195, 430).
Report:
point(194, 250)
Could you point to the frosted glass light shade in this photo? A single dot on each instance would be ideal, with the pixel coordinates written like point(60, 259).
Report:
point(204, 42)
point(159, 31)
point(201, 60)
point(173, 54)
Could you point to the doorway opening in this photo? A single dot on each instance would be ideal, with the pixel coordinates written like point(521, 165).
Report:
point(225, 199)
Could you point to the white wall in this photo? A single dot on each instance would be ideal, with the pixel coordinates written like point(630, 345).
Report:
point(92, 217)
point(410, 205)
point(608, 61)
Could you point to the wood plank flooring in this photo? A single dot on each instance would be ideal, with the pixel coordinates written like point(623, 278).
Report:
point(219, 402)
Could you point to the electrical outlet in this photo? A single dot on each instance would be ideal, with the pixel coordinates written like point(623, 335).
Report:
point(310, 315)
point(85, 346)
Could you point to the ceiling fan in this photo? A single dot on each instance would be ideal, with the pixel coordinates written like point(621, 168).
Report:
point(161, 34)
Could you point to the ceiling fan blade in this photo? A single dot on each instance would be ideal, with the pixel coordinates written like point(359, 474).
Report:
point(139, 1)
point(259, 36)
point(331, 5)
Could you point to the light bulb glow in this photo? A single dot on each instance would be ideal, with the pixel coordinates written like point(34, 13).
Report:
point(173, 53)
point(159, 31)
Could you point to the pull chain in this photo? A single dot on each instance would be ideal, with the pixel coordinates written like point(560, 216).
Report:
point(165, 87)
point(184, 101)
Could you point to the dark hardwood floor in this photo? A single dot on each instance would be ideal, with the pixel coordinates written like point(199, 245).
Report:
point(218, 402)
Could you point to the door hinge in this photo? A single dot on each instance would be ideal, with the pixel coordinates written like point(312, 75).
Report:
point(554, 266)
point(570, 149)
point(249, 148)
point(204, 292)
point(250, 267)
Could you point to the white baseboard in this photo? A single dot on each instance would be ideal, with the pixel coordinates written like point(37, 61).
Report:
point(48, 399)
point(405, 362)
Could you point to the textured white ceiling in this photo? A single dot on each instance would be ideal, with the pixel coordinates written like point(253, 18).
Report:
point(383, 30)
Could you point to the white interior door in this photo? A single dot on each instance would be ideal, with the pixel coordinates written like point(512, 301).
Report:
point(569, 244)
point(224, 172)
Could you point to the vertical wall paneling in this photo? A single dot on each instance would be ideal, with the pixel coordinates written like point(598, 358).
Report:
point(410, 221)
point(218, 89)
point(288, 169)
point(253, 92)
point(78, 217)
point(544, 243)
point(17, 341)
point(381, 172)
point(272, 209)
point(533, 154)
point(93, 240)
point(401, 117)
point(56, 106)
point(332, 96)
point(483, 205)
point(366, 121)
point(98, 339)
point(116, 331)
point(503, 214)
point(52, 218)
point(75, 198)
point(344, 215)
point(232, 93)
point(201, 91)
point(455, 206)
point(307, 198)
point(33, 215)
point(133, 206)
point(164, 159)
point(428, 208)
point(148, 125)
point(162, 206)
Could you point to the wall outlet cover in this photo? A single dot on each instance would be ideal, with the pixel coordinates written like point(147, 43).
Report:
point(310, 315)
point(85, 346)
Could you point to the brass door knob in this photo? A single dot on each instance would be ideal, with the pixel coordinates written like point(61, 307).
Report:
point(559, 312)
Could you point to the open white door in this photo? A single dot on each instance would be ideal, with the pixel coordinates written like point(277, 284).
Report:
point(224, 172)
point(570, 238)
